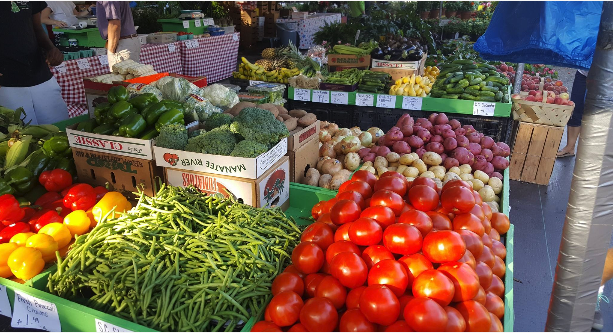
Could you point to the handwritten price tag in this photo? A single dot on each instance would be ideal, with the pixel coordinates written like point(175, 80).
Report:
point(339, 97)
point(103, 326)
point(32, 312)
point(171, 48)
point(235, 37)
point(302, 95)
point(321, 96)
point(411, 103)
point(104, 60)
point(83, 64)
point(484, 109)
point(186, 24)
point(198, 23)
point(191, 44)
point(253, 82)
point(364, 99)
point(5, 306)
point(386, 101)
point(61, 68)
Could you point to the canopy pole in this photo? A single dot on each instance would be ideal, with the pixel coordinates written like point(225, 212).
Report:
point(589, 214)
point(519, 74)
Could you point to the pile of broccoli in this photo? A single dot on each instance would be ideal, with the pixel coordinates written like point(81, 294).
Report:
point(217, 120)
point(249, 149)
point(172, 136)
point(218, 141)
point(259, 125)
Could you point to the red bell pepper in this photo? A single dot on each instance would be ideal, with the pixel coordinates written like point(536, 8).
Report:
point(7, 233)
point(47, 198)
point(80, 197)
point(46, 217)
point(9, 209)
point(65, 191)
point(100, 192)
point(29, 213)
point(55, 180)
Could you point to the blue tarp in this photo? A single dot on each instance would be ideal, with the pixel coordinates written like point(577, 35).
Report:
point(559, 33)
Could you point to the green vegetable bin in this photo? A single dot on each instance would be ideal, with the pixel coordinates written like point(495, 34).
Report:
point(176, 25)
point(85, 37)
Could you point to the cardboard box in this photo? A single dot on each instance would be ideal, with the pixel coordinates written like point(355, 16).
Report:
point(162, 38)
point(269, 190)
point(300, 15)
point(302, 159)
point(301, 135)
point(116, 145)
point(339, 62)
point(123, 174)
point(534, 152)
point(252, 168)
point(399, 69)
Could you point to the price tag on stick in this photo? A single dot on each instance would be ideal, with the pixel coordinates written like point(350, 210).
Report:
point(339, 97)
point(364, 99)
point(321, 96)
point(411, 103)
point(33, 312)
point(302, 95)
point(484, 109)
point(386, 101)
point(103, 326)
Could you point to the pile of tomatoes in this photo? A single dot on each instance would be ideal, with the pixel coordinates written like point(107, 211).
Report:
point(393, 255)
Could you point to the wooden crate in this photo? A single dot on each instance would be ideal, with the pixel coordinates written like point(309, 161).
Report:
point(534, 152)
point(541, 112)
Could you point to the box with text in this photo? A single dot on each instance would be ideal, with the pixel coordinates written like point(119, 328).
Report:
point(301, 135)
point(117, 145)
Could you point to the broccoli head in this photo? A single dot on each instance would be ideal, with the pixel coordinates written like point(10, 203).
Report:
point(172, 136)
point(259, 125)
point(217, 120)
point(195, 133)
point(218, 141)
point(249, 149)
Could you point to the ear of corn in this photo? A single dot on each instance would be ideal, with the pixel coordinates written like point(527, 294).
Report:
point(17, 152)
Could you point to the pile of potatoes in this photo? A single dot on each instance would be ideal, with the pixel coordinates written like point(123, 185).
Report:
point(292, 119)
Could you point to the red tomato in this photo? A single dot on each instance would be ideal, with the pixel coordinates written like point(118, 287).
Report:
point(353, 196)
point(379, 305)
point(389, 199)
point(332, 289)
point(469, 259)
point(484, 272)
point(308, 257)
point(399, 326)
point(359, 186)
point(354, 321)
point(339, 247)
point(365, 232)
point(464, 278)
point(494, 304)
point(285, 308)
point(414, 265)
point(342, 233)
point(349, 269)
point(287, 281)
point(383, 215)
point(406, 208)
point(425, 315)
point(455, 321)
point(365, 176)
point(435, 285)
point(293, 269)
point(499, 267)
point(345, 211)
point(402, 239)
point(496, 325)
point(498, 249)
point(494, 235)
point(393, 184)
point(480, 298)
point(496, 287)
point(375, 253)
point(476, 316)
point(487, 257)
point(318, 233)
point(477, 197)
point(440, 221)
point(487, 210)
point(478, 212)
point(319, 315)
point(425, 181)
point(264, 326)
point(343, 186)
point(353, 298)
point(458, 200)
point(418, 219)
point(454, 183)
point(470, 222)
point(487, 241)
point(325, 218)
point(473, 242)
point(391, 274)
point(393, 174)
point(317, 210)
point(311, 282)
point(325, 268)
point(500, 222)
point(404, 300)
point(443, 246)
point(267, 314)
point(297, 328)
point(487, 225)
point(423, 197)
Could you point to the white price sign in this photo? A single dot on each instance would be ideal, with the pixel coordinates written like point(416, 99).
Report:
point(253, 82)
point(235, 37)
point(61, 68)
point(32, 312)
point(5, 306)
point(364, 99)
point(104, 60)
point(171, 48)
point(83, 64)
point(191, 43)
point(302, 95)
point(103, 326)
point(339, 97)
point(411, 103)
point(198, 23)
point(186, 24)
point(484, 109)
point(386, 101)
point(321, 96)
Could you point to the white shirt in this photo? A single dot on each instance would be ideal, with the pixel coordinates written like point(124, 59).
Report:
point(63, 11)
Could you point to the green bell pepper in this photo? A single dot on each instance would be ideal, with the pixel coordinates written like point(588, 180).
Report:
point(57, 146)
point(37, 163)
point(117, 93)
point(154, 111)
point(169, 117)
point(104, 129)
point(87, 126)
point(116, 133)
point(132, 126)
point(5, 188)
point(150, 134)
point(119, 121)
point(142, 101)
point(100, 112)
point(66, 164)
point(174, 105)
point(120, 109)
point(21, 179)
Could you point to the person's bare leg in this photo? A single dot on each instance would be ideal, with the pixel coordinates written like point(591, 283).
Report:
point(572, 134)
point(607, 273)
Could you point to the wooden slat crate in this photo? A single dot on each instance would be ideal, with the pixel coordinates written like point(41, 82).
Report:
point(534, 152)
point(541, 112)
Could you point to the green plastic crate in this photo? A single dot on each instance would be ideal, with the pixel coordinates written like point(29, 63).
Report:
point(85, 37)
point(171, 25)
point(71, 121)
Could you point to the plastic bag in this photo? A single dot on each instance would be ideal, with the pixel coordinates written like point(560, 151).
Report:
point(200, 106)
point(220, 96)
point(176, 89)
point(141, 88)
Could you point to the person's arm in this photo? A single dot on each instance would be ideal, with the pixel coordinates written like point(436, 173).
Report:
point(54, 56)
point(114, 32)
point(45, 19)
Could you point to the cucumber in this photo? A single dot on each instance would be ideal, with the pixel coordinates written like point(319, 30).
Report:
point(472, 91)
point(454, 90)
point(468, 96)
point(469, 67)
point(475, 81)
point(437, 93)
point(457, 78)
point(498, 96)
point(450, 96)
point(486, 93)
point(488, 88)
point(462, 84)
point(463, 62)
point(486, 99)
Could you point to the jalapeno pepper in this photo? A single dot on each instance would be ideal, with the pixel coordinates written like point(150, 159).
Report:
point(120, 109)
point(142, 101)
point(105, 129)
point(87, 126)
point(154, 111)
point(21, 179)
point(57, 146)
point(132, 126)
point(117, 93)
point(169, 117)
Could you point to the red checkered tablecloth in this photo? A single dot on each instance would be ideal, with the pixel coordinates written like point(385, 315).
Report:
point(163, 57)
point(213, 57)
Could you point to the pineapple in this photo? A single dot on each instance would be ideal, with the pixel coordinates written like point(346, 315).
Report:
point(269, 53)
point(277, 63)
point(264, 63)
point(289, 63)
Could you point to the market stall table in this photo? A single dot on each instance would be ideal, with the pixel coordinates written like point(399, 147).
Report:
point(163, 57)
point(213, 57)
point(309, 26)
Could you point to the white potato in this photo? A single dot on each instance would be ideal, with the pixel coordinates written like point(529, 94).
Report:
point(420, 165)
point(456, 170)
point(477, 184)
point(411, 172)
point(407, 159)
point(432, 158)
point(352, 161)
point(427, 174)
point(450, 176)
point(466, 176)
point(380, 162)
point(465, 168)
point(487, 193)
point(392, 157)
point(439, 171)
point(482, 176)
point(496, 184)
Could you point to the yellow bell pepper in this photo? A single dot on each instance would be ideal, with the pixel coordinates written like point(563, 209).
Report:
point(5, 251)
point(59, 232)
point(26, 262)
point(21, 238)
point(45, 244)
point(77, 222)
point(107, 203)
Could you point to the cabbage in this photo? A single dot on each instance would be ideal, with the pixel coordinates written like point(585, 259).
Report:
point(176, 89)
point(201, 106)
point(220, 96)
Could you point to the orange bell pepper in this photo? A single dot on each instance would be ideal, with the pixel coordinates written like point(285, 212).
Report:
point(21, 238)
point(107, 203)
point(45, 244)
point(26, 262)
point(59, 232)
point(92, 220)
point(5, 251)
point(77, 222)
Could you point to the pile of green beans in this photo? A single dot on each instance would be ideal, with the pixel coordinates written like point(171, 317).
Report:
point(180, 261)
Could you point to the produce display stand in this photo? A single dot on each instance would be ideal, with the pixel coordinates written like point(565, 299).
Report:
point(89, 37)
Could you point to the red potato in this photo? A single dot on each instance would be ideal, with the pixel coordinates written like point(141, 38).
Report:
point(437, 138)
point(415, 141)
point(462, 141)
point(480, 163)
point(436, 147)
point(497, 175)
point(487, 142)
point(505, 149)
point(432, 117)
point(383, 151)
point(394, 134)
point(474, 148)
point(424, 135)
point(401, 147)
point(369, 157)
point(420, 152)
point(454, 124)
point(461, 154)
point(450, 162)
point(489, 169)
point(441, 118)
point(473, 137)
point(469, 129)
point(405, 119)
point(487, 154)
point(459, 131)
point(406, 130)
point(363, 152)
point(500, 163)
point(448, 133)
point(450, 144)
